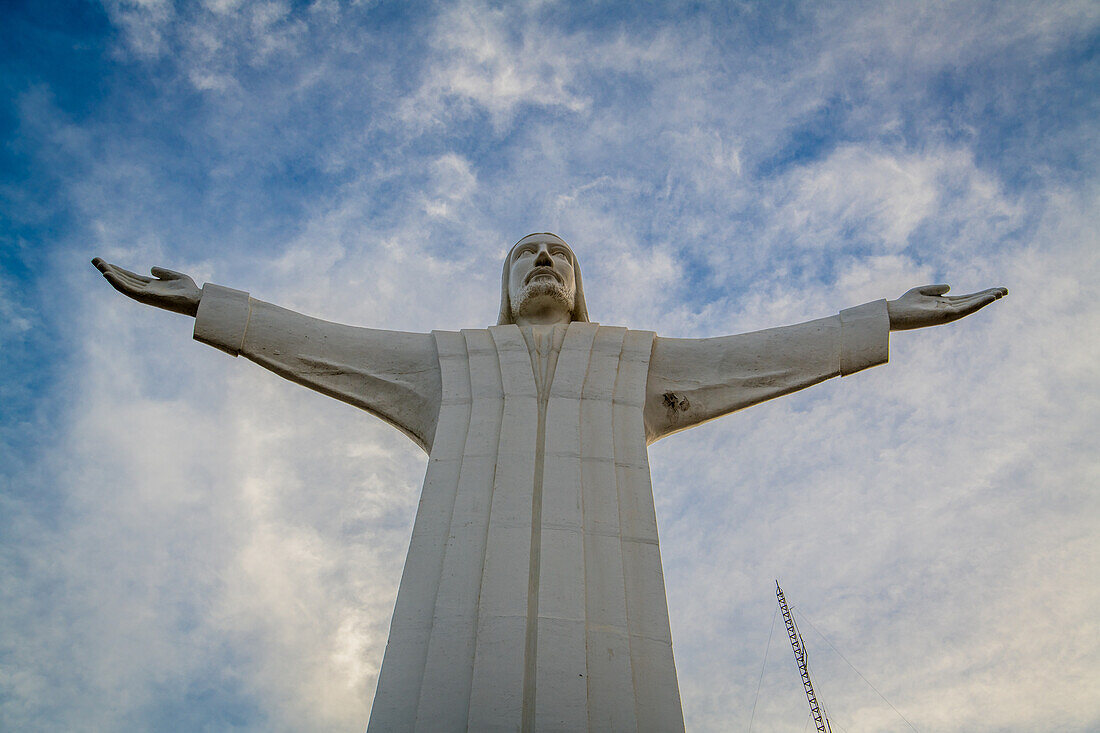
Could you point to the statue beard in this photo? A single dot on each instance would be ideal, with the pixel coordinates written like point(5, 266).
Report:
point(539, 290)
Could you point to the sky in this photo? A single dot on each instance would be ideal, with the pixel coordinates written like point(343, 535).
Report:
point(189, 542)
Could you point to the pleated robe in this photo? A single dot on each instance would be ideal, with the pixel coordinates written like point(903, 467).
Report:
point(533, 596)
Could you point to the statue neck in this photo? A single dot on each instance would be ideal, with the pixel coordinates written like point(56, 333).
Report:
point(544, 317)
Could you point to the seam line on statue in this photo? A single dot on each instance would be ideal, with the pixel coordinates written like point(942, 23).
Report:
point(617, 534)
point(247, 321)
point(619, 631)
point(649, 637)
point(640, 540)
point(576, 527)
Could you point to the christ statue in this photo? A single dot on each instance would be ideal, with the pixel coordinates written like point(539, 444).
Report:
point(532, 596)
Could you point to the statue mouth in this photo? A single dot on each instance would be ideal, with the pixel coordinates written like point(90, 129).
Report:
point(541, 272)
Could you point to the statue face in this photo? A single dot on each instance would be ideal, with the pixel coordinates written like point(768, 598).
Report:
point(541, 282)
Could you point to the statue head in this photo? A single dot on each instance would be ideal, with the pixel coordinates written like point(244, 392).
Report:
point(541, 283)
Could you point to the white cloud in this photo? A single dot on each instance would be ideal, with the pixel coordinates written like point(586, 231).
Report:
point(143, 22)
point(882, 196)
point(497, 59)
point(452, 184)
point(481, 58)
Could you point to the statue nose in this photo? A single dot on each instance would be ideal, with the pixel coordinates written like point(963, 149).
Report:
point(543, 259)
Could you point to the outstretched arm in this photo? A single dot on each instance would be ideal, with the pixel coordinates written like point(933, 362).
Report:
point(692, 381)
point(390, 374)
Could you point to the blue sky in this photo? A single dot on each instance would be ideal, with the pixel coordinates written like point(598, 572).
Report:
point(187, 542)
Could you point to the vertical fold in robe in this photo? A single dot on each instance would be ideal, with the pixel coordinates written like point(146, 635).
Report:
point(656, 691)
point(611, 701)
point(561, 687)
point(496, 694)
point(448, 673)
point(399, 680)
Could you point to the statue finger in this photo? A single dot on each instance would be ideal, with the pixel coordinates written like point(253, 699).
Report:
point(106, 267)
point(165, 274)
point(933, 289)
point(976, 303)
point(133, 277)
point(120, 283)
point(136, 281)
point(962, 300)
point(995, 292)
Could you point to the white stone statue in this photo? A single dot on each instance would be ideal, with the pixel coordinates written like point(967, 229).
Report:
point(533, 596)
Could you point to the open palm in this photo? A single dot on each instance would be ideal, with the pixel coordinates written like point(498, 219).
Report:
point(929, 305)
point(168, 289)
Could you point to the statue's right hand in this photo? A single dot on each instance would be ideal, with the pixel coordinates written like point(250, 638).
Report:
point(168, 289)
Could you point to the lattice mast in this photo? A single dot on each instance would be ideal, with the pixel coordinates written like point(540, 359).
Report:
point(800, 658)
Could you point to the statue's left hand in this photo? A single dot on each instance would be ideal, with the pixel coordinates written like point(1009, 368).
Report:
point(167, 289)
point(929, 306)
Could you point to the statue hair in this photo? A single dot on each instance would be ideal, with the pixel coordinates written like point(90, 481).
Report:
point(580, 309)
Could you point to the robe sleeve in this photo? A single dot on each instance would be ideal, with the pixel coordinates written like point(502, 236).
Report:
point(391, 374)
point(692, 381)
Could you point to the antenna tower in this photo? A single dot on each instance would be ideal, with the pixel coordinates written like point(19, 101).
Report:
point(800, 658)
